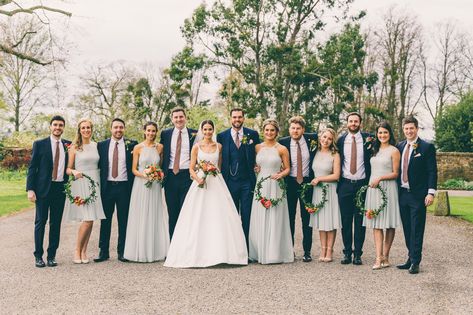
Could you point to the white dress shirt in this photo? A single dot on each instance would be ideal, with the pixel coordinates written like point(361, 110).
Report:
point(62, 158)
point(185, 158)
point(360, 163)
point(305, 157)
point(122, 173)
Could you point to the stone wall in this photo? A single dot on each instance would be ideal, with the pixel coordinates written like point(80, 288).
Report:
point(454, 165)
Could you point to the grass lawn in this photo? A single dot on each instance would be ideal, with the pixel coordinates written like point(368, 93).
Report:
point(461, 207)
point(13, 196)
point(13, 199)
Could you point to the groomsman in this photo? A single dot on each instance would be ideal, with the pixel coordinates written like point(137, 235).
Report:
point(116, 181)
point(177, 142)
point(45, 185)
point(355, 147)
point(238, 162)
point(302, 147)
point(418, 182)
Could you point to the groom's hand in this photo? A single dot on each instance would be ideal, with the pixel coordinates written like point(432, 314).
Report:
point(31, 196)
point(257, 169)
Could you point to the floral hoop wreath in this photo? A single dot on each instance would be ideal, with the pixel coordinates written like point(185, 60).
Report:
point(309, 206)
point(77, 200)
point(269, 202)
point(370, 213)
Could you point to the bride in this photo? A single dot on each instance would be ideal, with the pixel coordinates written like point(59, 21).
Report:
point(208, 231)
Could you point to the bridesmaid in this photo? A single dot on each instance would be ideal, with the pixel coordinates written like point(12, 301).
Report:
point(270, 239)
point(147, 236)
point(83, 159)
point(384, 172)
point(326, 166)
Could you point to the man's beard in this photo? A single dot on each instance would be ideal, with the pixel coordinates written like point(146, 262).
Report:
point(234, 125)
point(354, 130)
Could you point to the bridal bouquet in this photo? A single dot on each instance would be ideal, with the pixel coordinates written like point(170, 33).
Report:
point(153, 174)
point(204, 169)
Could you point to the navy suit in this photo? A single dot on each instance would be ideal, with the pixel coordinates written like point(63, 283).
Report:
point(114, 194)
point(177, 185)
point(238, 171)
point(422, 176)
point(347, 190)
point(293, 193)
point(50, 195)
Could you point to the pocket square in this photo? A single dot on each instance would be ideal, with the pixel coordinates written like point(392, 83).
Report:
point(417, 155)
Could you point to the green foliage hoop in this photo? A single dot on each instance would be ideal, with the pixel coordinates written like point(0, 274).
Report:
point(309, 206)
point(77, 200)
point(269, 202)
point(360, 203)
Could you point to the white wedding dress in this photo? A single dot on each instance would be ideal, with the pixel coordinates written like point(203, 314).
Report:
point(208, 231)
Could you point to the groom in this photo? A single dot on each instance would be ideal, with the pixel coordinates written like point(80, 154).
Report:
point(418, 182)
point(116, 181)
point(238, 162)
point(177, 142)
point(45, 186)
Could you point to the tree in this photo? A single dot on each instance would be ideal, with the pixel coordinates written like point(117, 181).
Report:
point(265, 46)
point(454, 128)
point(106, 88)
point(444, 78)
point(9, 9)
point(400, 49)
point(23, 82)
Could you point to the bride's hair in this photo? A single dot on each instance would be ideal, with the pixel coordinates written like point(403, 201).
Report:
point(207, 122)
point(78, 142)
point(200, 134)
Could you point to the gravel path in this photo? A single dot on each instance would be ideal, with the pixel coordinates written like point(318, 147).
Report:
point(444, 285)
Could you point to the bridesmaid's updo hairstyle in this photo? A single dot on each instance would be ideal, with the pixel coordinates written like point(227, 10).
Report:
point(207, 122)
point(271, 122)
point(150, 123)
point(333, 147)
point(78, 141)
point(377, 143)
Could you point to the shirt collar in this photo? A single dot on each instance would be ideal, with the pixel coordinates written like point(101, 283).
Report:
point(183, 130)
point(301, 140)
point(240, 132)
point(413, 141)
point(53, 140)
point(122, 140)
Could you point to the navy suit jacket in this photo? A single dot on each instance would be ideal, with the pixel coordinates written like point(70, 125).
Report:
point(422, 169)
point(224, 139)
point(286, 141)
point(166, 136)
point(103, 148)
point(366, 152)
point(40, 170)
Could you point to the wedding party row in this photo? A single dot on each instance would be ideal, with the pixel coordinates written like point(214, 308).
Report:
point(229, 198)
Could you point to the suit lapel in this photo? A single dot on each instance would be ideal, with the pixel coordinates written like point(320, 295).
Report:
point(105, 154)
point(49, 152)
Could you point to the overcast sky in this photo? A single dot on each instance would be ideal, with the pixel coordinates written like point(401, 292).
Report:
point(148, 30)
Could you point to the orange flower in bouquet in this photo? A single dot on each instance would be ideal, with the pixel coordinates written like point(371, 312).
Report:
point(153, 174)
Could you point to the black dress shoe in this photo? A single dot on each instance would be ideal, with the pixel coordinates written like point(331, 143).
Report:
point(102, 257)
point(357, 261)
point(306, 258)
point(39, 262)
point(122, 259)
point(346, 260)
point(414, 269)
point(405, 265)
point(51, 262)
